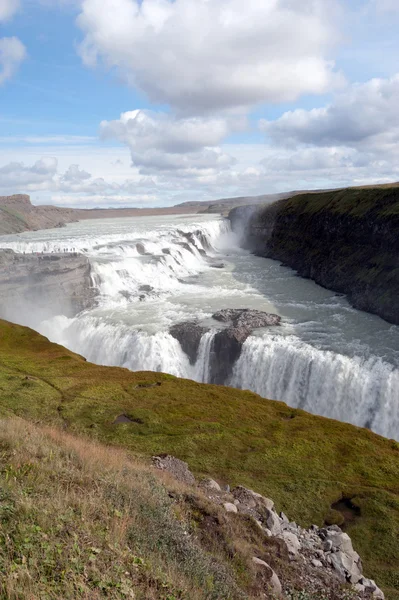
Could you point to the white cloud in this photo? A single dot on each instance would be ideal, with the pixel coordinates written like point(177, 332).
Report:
point(75, 175)
point(201, 55)
point(17, 176)
point(367, 115)
point(354, 140)
point(161, 142)
point(12, 53)
point(8, 8)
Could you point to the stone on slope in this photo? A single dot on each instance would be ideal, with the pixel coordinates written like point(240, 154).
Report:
point(273, 580)
point(230, 508)
point(175, 467)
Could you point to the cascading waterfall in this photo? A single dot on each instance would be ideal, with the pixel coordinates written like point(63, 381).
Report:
point(362, 392)
point(152, 274)
point(203, 362)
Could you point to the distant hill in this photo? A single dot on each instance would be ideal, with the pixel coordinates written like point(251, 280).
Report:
point(17, 214)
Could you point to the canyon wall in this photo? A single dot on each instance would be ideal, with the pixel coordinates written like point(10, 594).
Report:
point(34, 287)
point(345, 240)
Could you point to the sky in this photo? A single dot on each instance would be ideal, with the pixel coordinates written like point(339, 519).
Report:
point(155, 102)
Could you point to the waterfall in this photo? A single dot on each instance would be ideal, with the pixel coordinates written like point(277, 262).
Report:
point(203, 362)
point(361, 391)
point(327, 358)
point(118, 345)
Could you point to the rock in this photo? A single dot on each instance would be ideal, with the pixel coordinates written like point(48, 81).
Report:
point(188, 334)
point(273, 580)
point(225, 351)
point(246, 317)
point(317, 563)
point(175, 467)
point(252, 499)
point(218, 265)
point(284, 518)
point(348, 565)
point(370, 586)
point(227, 344)
point(273, 522)
point(140, 248)
point(36, 287)
point(146, 288)
point(344, 557)
point(211, 485)
point(230, 508)
point(292, 542)
point(327, 546)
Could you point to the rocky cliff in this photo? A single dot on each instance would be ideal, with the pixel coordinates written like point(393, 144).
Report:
point(345, 240)
point(36, 287)
point(17, 214)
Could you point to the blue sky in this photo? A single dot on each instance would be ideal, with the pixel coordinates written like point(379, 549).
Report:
point(161, 102)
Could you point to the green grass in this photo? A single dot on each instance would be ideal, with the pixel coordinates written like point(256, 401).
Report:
point(304, 462)
point(381, 201)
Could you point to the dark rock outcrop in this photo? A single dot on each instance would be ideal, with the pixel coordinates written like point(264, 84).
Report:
point(227, 343)
point(246, 318)
point(345, 240)
point(189, 336)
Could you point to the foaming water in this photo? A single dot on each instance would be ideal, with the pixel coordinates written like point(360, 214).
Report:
point(152, 272)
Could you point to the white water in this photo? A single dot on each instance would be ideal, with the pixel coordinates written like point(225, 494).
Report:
point(327, 357)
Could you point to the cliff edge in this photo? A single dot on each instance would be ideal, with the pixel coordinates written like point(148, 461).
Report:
point(345, 240)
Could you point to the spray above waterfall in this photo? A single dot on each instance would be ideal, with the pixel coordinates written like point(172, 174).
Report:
point(153, 273)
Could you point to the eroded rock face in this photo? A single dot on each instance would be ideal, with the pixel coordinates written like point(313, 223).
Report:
point(227, 343)
point(189, 335)
point(34, 287)
point(345, 240)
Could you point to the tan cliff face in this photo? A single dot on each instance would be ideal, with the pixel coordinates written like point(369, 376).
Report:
point(17, 214)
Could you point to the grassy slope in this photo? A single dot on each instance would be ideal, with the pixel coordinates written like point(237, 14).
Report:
point(301, 461)
point(81, 520)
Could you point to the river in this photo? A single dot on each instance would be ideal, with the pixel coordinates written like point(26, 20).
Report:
point(151, 272)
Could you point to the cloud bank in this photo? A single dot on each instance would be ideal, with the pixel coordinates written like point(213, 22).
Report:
point(199, 56)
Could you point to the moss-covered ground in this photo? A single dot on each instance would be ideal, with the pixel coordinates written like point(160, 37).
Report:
point(305, 463)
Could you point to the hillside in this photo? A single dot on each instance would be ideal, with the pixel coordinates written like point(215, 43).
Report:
point(306, 464)
point(345, 240)
point(17, 214)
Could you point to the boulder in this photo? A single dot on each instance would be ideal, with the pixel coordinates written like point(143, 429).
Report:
point(273, 522)
point(292, 542)
point(317, 563)
point(273, 580)
point(252, 499)
point(175, 467)
point(230, 508)
point(211, 485)
point(371, 587)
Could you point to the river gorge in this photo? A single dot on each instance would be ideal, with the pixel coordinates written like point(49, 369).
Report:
point(148, 274)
